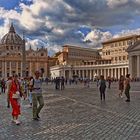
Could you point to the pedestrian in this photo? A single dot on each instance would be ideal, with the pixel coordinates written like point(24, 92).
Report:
point(62, 83)
point(3, 85)
point(109, 82)
point(31, 84)
point(37, 97)
point(121, 86)
point(0, 87)
point(14, 94)
point(127, 87)
point(7, 90)
point(102, 87)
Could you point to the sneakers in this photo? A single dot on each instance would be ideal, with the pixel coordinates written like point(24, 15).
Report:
point(38, 116)
point(17, 122)
point(127, 100)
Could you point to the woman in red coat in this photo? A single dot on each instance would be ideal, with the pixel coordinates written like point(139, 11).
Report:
point(14, 96)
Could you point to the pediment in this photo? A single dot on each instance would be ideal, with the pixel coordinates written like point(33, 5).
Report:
point(134, 47)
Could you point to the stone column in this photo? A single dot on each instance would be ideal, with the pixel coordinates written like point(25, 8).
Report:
point(130, 68)
point(97, 72)
point(17, 67)
point(30, 66)
point(21, 70)
point(112, 73)
point(3, 69)
point(5, 65)
point(105, 73)
point(90, 74)
point(125, 71)
point(83, 74)
point(115, 73)
point(119, 73)
point(10, 69)
point(138, 65)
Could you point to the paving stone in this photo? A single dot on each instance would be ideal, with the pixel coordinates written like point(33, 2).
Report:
point(76, 114)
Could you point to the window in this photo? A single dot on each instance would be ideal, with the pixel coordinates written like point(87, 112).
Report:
point(119, 57)
point(7, 74)
point(8, 64)
point(42, 54)
point(11, 47)
point(19, 64)
point(13, 64)
point(119, 43)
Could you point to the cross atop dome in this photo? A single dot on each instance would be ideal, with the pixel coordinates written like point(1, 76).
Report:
point(12, 29)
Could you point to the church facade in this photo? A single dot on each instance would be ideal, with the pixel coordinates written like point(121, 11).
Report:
point(12, 60)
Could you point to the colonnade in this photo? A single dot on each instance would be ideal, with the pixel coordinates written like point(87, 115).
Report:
point(92, 73)
point(134, 65)
point(8, 68)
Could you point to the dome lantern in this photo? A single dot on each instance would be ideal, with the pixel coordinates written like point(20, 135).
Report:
point(12, 29)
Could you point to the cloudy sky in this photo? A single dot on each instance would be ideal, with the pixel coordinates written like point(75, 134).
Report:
point(53, 23)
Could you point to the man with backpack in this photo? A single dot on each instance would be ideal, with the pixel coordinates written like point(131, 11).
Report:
point(37, 97)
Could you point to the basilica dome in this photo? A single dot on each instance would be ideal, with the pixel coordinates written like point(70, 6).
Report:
point(11, 37)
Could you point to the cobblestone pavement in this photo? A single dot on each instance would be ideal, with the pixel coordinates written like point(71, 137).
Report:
point(76, 114)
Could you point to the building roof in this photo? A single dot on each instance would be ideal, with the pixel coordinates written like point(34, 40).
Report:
point(120, 39)
point(77, 47)
point(134, 47)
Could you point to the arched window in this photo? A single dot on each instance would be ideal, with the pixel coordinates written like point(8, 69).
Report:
point(42, 54)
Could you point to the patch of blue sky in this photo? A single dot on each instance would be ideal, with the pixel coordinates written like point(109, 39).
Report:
point(9, 4)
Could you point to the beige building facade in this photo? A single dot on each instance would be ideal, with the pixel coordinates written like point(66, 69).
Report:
point(11, 60)
point(134, 59)
point(112, 60)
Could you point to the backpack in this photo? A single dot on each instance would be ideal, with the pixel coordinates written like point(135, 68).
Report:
point(103, 84)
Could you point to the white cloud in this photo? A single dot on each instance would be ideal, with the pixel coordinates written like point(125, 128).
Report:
point(127, 32)
point(116, 3)
point(97, 36)
point(5, 28)
point(35, 43)
point(9, 14)
point(28, 20)
point(51, 22)
point(137, 1)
